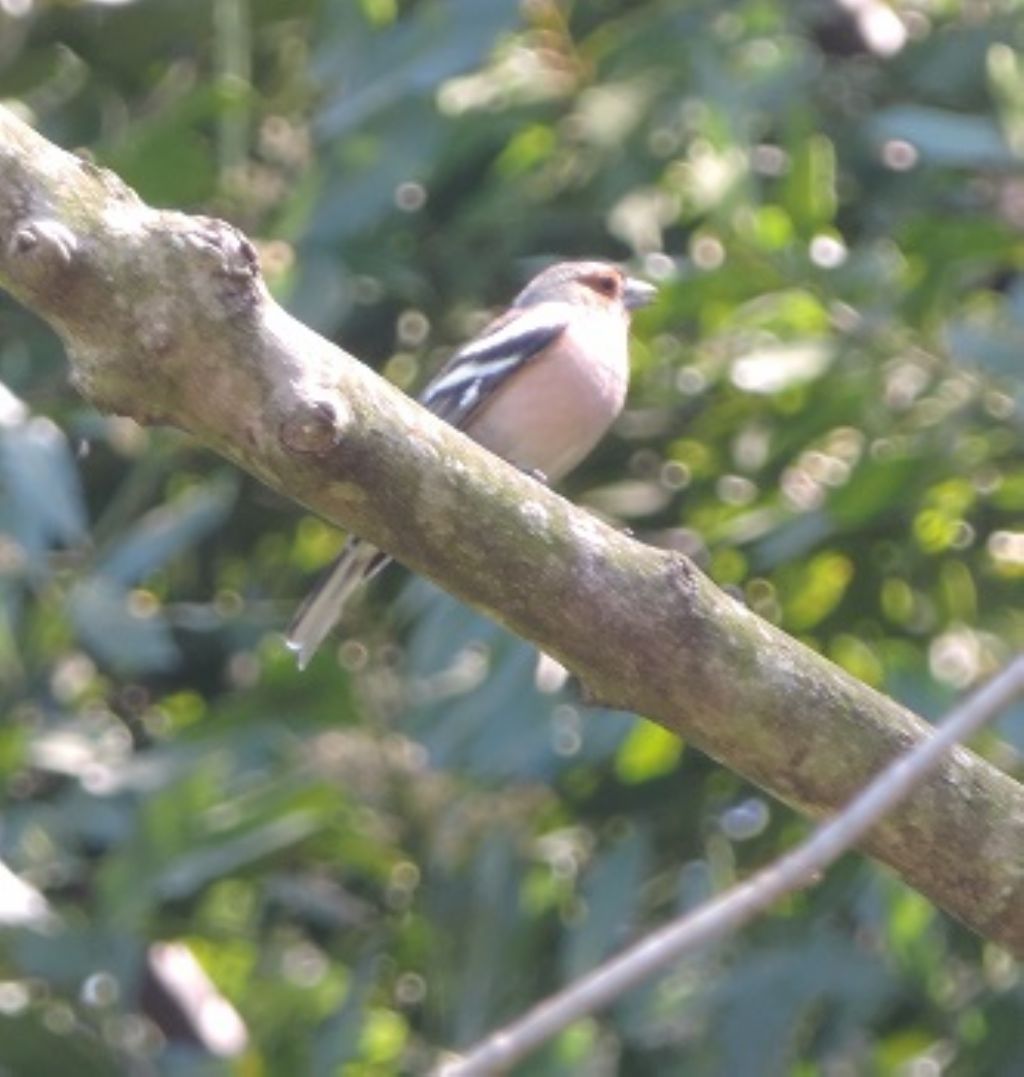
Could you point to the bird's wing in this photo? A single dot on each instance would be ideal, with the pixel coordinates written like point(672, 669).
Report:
point(465, 383)
point(478, 369)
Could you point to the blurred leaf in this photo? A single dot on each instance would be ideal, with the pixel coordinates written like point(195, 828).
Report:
point(997, 350)
point(118, 634)
point(469, 675)
point(29, 1044)
point(908, 923)
point(1011, 727)
point(165, 157)
point(167, 531)
point(780, 989)
point(363, 192)
point(792, 539)
point(491, 925)
point(439, 39)
point(576, 1050)
point(610, 895)
point(877, 485)
point(203, 827)
point(943, 137)
point(40, 479)
point(195, 869)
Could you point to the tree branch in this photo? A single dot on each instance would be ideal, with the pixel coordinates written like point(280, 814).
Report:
point(166, 319)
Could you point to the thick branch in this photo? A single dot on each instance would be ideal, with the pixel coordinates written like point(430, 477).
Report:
point(166, 319)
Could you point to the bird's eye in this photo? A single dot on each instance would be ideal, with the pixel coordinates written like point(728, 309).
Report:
point(604, 283)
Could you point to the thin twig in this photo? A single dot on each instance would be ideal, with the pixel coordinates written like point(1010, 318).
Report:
point(742, 903)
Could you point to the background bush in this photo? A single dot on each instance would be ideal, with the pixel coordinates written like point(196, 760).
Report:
point(403, 847)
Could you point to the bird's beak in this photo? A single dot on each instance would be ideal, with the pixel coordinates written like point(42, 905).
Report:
point(638, 293)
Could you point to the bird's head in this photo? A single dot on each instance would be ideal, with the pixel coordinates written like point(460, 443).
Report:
point(597, 284)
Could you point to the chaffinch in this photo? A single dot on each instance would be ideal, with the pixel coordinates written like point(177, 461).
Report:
point(539, 386)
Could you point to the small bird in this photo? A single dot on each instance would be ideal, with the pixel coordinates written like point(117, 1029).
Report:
point(539, 386)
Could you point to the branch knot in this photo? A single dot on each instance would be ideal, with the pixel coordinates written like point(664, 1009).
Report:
point(234, 262)
point(45, 245)
point(313, 430)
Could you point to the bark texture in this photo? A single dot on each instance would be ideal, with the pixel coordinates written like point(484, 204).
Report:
point(166, 319)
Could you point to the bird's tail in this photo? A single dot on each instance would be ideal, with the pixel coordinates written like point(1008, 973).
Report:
point(322, 608)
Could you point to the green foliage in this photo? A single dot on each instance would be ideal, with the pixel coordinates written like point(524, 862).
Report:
point(392, 853)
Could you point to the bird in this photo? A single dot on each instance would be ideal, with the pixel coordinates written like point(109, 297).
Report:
point(539, 386)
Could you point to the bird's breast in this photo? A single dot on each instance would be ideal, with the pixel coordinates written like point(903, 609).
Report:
point(556, 409)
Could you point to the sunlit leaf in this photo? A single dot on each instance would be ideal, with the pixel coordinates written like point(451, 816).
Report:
point(648, 752)
point(810, 187)
point(816, 589)
point(770, 370)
